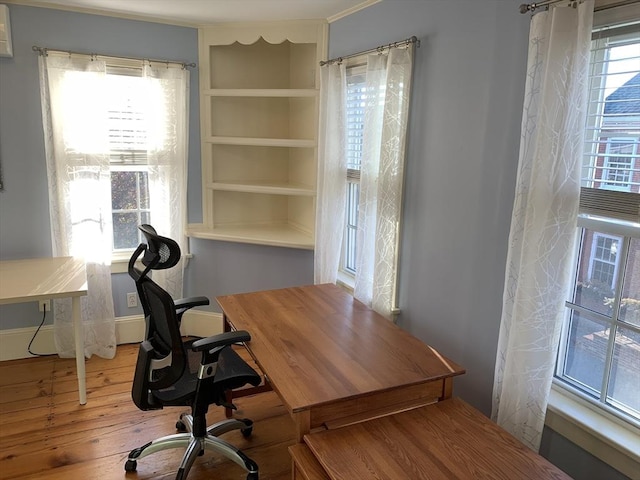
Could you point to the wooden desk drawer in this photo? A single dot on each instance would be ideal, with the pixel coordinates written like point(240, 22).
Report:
point(304, 465)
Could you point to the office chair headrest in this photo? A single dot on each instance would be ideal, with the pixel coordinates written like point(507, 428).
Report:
point(161, 252)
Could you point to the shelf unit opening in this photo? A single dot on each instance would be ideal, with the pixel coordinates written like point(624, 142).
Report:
point(262, 64)
point(279, 167)
point(263, 117)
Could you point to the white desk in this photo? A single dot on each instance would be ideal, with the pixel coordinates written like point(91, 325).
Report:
point(36, 279)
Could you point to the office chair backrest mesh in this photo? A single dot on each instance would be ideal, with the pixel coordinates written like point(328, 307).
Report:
point(163, 344)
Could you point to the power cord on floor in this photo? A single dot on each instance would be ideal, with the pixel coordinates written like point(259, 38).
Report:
point(44, 316)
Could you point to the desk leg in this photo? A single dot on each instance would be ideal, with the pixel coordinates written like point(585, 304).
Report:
point(447, 388)
point(303, 424)
point(78, 334)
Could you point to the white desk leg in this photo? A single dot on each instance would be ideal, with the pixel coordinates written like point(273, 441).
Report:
point(78, 334)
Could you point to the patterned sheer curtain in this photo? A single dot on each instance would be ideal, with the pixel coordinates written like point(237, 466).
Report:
point(74, 117)
point(381, 176)
point(543, 225)
point(167, 160)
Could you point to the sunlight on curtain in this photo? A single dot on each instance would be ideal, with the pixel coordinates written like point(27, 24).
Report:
point(382, 177)
point(167, 160)
point(74, 118)
point(543, 225)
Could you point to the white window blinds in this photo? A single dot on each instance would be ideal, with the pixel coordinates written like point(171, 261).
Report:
point(611, 166)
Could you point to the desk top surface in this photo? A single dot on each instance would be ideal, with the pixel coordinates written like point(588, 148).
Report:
point(41, 278)
point(447, 440)
point(317, 344)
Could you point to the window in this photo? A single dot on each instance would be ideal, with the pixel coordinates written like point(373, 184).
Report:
point(355, 108)
point(599, 354)
point(619, 163)
point(128, 142)
point(604, 260)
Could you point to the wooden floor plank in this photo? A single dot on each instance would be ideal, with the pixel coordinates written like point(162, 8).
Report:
point(46, 434)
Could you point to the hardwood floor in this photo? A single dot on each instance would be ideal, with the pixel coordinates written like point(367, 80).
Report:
point(45, 434)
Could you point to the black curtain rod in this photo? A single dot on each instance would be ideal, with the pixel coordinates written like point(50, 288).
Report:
point(44, 52)
point(530, 7)
point(382, 48)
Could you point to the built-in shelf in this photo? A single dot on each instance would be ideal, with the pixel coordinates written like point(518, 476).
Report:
point(264, 142)
point(259, 122)
point(274, 235)
point(256, 187)
point(261, 92)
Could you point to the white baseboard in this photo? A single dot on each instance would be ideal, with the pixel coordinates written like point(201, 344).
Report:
point(14, 342)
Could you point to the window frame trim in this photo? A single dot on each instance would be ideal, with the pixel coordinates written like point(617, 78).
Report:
point(593, 429)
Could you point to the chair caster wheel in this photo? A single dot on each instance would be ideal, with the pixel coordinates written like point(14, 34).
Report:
point(248, 427)
point(253, 476)
point(130, 466)
point(180, 426)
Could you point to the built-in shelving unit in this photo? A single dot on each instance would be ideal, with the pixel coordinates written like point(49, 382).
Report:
point(259, 86)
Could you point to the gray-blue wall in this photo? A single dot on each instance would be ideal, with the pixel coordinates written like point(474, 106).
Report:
point(464, 133)
point(461, 166)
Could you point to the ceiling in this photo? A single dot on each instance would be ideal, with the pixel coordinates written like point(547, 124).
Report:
point(205, 12)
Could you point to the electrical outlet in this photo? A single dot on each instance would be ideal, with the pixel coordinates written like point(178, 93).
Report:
point(42, 304)
point(132, 300)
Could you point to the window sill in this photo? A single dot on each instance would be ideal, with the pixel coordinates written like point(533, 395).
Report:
point(345, 281)
point(594, 431)
point(120, 262)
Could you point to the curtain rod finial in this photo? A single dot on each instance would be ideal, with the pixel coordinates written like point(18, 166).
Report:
point(524, 8)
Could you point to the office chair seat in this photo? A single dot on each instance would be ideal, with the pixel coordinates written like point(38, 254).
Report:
point(233, 372)
point(195, 373)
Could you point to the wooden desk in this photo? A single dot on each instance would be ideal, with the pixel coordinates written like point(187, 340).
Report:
point(334, 361)
point(36, 279)
point(448, 440)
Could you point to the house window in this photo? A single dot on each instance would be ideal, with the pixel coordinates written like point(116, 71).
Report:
point(355, 109)
point(599, 353)
point(619, 163)
point(603, 264)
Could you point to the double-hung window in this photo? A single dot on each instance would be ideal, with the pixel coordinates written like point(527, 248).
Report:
point(599, 354)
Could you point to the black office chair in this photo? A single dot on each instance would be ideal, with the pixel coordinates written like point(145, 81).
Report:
point(171, 371)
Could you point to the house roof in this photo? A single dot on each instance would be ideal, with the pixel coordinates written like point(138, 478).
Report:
point(625, 99)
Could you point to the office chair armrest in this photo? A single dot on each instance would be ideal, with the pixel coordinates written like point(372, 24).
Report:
point(220, 340)
point(190, 302)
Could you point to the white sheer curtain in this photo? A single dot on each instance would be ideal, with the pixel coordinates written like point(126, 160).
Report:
point(167, 160)
point(543, 226)
point(382, 177)
point(332, 174)
point(76, 145)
